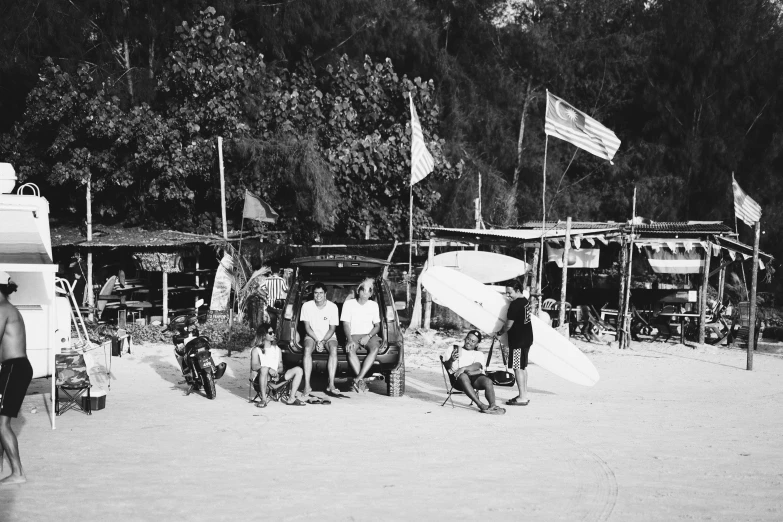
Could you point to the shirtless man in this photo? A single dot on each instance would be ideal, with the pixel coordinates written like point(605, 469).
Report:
point(15, 375)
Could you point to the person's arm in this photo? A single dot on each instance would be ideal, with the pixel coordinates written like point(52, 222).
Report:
point(329, 333)
point(470, 369)
point(3, 321)
point(310, 332)
point(346, 322)
point(450, 356)
point(505, 328)
point(255, 359)
point(376, 327)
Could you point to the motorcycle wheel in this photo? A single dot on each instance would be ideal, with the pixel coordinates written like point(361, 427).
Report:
point(209, 384)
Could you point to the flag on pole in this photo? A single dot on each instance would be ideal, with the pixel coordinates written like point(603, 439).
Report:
point(567, 123)
point(257, 209)
point(744, 207)
point(421, 159)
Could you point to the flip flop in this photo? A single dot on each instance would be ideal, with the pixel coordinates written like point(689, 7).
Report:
point(297, 402)
point(336, 395)
point(515, 402)
point(262, 404)
point(493, 411)
point(312, 399)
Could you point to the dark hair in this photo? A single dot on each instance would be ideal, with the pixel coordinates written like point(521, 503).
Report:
point(261, 331)
point(8, 289)
point(517, 285)
point(476, 333)
point(363, 283)
point(319, 285)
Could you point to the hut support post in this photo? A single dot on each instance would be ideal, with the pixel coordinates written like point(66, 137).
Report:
point(564, 281)
point(721, 284)
point(754, 282)
point(90, 294)
point(165, 298)
point(705, 283)
point(623, 311)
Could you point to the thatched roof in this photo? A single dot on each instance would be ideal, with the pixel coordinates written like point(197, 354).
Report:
point(134, 237)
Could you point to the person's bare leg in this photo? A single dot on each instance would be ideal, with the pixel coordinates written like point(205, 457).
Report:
point(467, 388)
point(372, 352)
point(521, 376)
point(353, 361)
point(296, 374)
point(263, 380)
point(331, 366)
point(307, 362)
point(11, 447)
point(484, 383)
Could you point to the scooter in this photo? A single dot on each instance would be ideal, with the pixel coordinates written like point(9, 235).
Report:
point(194, 356)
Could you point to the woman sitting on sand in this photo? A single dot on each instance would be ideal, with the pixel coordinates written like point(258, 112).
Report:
point(266, 359)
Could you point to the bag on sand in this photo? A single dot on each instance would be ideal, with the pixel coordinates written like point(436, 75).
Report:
point(500, 377)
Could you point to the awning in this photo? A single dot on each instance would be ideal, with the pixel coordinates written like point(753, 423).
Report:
point(20, 238)
point(664, 261)
point(738, 249)
point(522, 235)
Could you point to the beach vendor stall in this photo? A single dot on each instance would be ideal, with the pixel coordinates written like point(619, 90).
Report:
point(26, 255)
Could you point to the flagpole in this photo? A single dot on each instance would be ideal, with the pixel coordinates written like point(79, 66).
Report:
point(543, 224)
point(752, 326)
point(410, 247)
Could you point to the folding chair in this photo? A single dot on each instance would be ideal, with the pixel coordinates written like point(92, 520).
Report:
point(450, 383)
point(274, 390)
point(73, 381)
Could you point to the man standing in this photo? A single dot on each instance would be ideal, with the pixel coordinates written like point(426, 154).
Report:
point(15, 375)
point(276, 287)
point(320, 318)
point(466, 364)
point(520, 338)
point(361, 321)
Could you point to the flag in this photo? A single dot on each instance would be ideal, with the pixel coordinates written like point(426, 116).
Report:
point(565, 122)
point(421, 159)
point(744, 207)
point(257, 209)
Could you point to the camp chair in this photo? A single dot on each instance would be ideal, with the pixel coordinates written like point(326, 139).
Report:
point(450, 382)
point(274, 390)
point(73, 381)
point(593, 327)
point(740, 326)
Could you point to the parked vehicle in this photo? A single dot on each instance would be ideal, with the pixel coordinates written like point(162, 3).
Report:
point(341, 274)
point(194, 356)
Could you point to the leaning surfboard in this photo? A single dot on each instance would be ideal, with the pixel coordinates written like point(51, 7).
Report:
point(485, 267)
point(484, 308)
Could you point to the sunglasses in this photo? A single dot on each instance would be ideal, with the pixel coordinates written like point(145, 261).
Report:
point(271, 332)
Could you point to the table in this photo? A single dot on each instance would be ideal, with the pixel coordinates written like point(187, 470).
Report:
point(682, 316)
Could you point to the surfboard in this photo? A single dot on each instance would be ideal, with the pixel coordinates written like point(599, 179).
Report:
point(485, 267)
point(484, 308)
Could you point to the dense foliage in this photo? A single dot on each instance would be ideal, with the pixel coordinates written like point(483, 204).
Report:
point(311, 100)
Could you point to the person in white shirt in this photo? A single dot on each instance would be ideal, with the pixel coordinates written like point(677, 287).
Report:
point(466, 364)
point(361, 320)
point(320, 318)
point(267, 359)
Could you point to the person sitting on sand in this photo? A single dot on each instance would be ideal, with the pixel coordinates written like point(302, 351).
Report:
point(466, 364)
point(361, 319)
point(267, 359)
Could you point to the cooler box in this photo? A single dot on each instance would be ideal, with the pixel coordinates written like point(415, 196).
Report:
point(97, 400)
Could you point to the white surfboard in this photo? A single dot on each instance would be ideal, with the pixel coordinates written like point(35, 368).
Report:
point(484, 308)
point(485, 267)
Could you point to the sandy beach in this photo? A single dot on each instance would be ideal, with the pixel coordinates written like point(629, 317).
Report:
point(670, 432)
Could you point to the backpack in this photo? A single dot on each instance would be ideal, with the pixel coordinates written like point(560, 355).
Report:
point(500, 377)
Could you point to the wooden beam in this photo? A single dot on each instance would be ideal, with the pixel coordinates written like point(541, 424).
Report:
point(705, 283)
point(564, 278)
point(752, 329)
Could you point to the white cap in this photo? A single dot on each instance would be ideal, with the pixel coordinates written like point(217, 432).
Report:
point(5, 278)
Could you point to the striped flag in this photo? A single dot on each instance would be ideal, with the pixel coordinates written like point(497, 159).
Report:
point(421, 159)
point(257, 209)
point(744, 207)
point(567, 123)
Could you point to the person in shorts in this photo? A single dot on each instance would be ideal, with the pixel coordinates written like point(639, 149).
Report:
point(15, 375)
point(321, 318)
point(266, 360)
point(466, 364)
point(361, 320)
point(520, 339)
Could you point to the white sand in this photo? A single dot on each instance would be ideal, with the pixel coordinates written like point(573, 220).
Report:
point(669, 432)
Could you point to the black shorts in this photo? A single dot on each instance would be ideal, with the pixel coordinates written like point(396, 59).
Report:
point(473, 379)
point(15, 377)
point(517, 357)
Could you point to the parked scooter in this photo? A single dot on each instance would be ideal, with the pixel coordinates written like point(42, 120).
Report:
point(194, 356)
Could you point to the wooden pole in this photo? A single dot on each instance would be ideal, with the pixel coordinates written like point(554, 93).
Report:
point(721, 284)
point(410, 249)
point(564, 279)
point(428, 297)
point(626, 300)
point(621, 297)
point(543, 224)
point(705, 283)
point(90, 294)
point(222, 188)
point(754, 283)
point(534, 275)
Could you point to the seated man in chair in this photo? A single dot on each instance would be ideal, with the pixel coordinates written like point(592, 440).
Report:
point(466, 364)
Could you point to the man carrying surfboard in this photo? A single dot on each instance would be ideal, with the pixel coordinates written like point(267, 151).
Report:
point(467, 366)
point(520, 338)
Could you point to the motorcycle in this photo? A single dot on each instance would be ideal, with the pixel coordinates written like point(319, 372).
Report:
point(194, 356)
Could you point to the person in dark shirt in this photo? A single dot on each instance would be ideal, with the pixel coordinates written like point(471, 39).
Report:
point(520, 338)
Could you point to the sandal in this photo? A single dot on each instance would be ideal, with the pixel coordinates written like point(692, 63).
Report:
point(312, 399)
point(493, 411)
point(297, 402)
point(516, 402)
point(262, 404)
